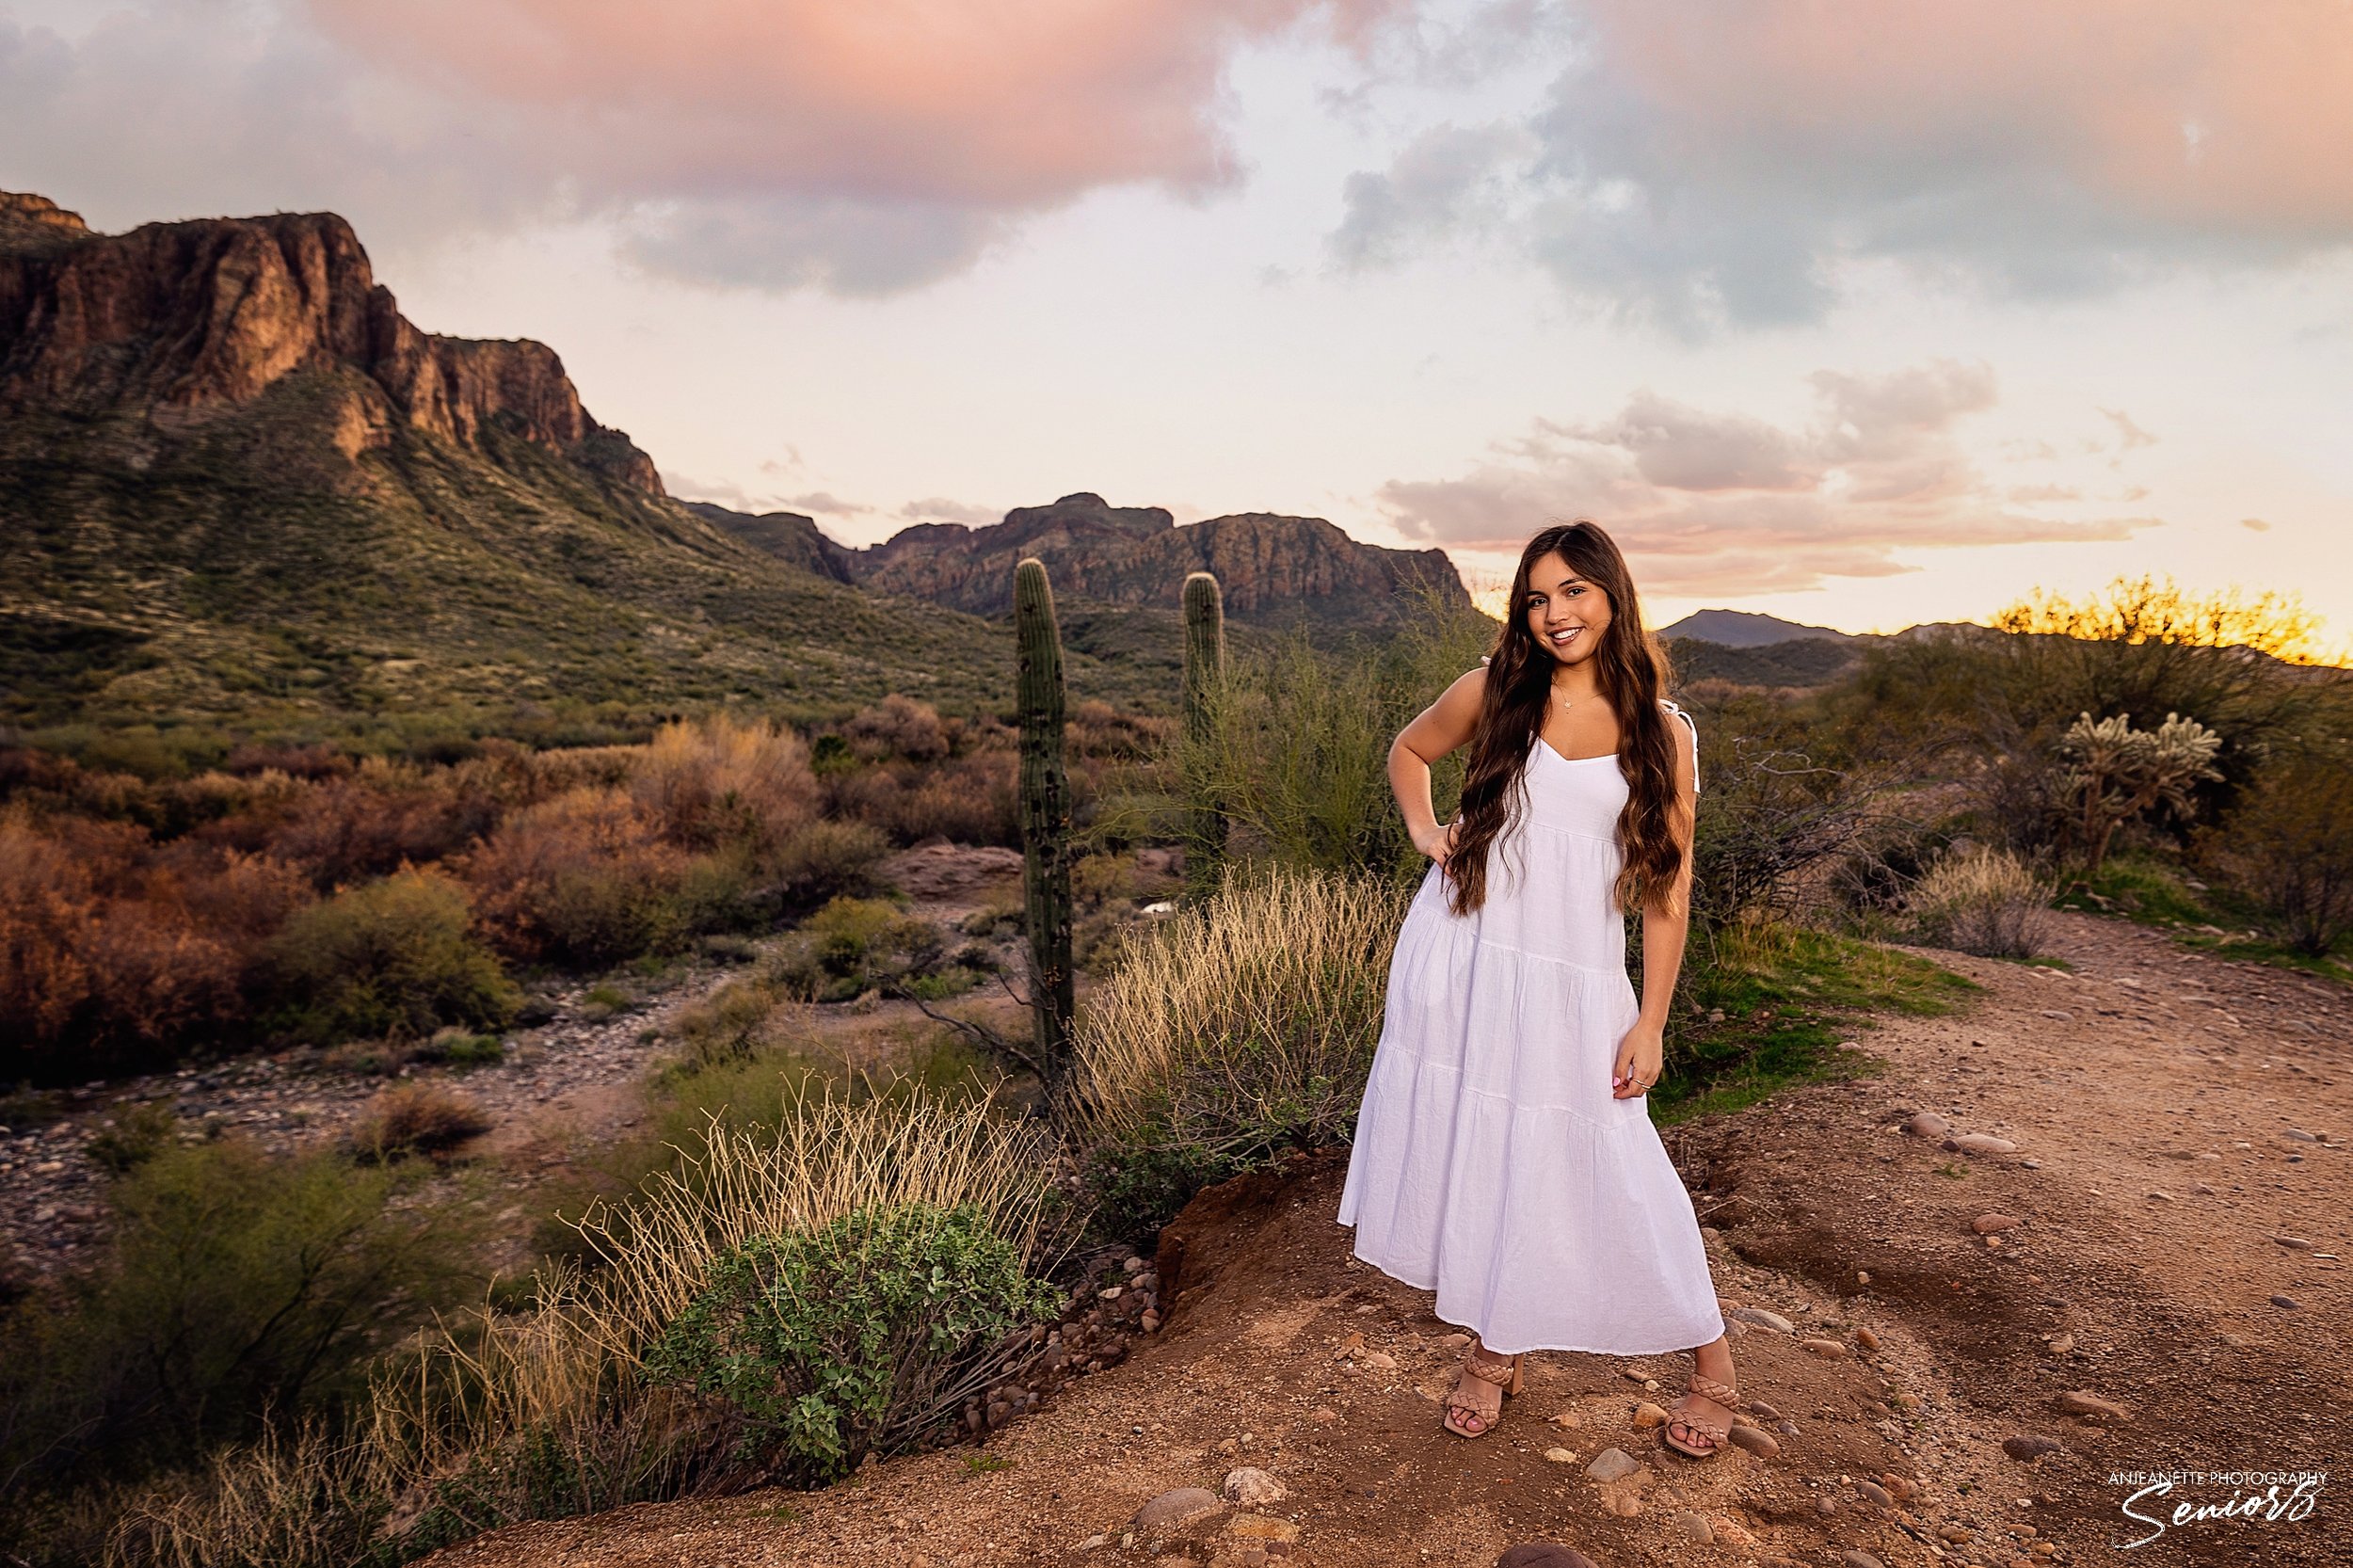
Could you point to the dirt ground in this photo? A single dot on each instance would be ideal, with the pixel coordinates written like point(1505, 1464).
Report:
point(2179, 1183)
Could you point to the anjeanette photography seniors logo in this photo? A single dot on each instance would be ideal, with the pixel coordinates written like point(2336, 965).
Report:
point(2215, 1501)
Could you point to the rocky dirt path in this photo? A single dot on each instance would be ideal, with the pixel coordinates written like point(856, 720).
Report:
point(2171, 1298)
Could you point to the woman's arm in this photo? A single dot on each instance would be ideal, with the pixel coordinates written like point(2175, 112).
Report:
point(1666, 927)
point(1435, 731)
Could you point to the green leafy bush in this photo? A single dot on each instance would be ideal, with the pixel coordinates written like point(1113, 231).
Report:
point(2289, 846)
point(239, 1284)
point(863, 1335)
point(397, 957)
point(853, 945)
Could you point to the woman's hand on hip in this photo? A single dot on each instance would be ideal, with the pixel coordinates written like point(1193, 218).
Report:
point(1438, 843)
point(1641, 1057)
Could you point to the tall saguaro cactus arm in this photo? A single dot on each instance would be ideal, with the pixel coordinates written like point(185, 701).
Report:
point(1045, 816)
point(1205, 683)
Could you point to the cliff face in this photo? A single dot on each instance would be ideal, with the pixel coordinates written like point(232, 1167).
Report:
point(174, 322)
point(1269, 568)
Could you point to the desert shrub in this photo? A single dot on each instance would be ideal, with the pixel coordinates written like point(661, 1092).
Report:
point(858, 1337)
point(237, 1284)
point(461, 1049)
point(852, 946)
point(133, 1137)
point(583, 878)
point(397, 957)
point(94, 972)
point(1985, 901)
point(723, 781)
point(899, 726)
point(415, 1118)
point(825, 859)
point(1237, 1030)
point(2288, 846)
point(970, 799)
point(385, 814)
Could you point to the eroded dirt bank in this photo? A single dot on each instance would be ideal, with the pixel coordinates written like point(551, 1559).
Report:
point(2181, 1171)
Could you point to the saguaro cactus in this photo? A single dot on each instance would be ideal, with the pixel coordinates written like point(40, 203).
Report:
point(1205, 681)
point(1045, 816)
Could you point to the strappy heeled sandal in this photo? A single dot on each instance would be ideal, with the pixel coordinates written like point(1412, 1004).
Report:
point(1502, 1374)
point(1723, 1394)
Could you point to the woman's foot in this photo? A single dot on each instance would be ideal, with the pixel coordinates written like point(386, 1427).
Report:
point(1700, 1420)
point(1480, 1386)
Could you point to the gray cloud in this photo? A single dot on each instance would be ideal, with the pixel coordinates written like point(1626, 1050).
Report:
point(1723, 162)
point(1727, 504)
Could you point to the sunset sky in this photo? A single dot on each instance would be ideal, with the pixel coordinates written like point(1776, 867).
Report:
point(1858, 312)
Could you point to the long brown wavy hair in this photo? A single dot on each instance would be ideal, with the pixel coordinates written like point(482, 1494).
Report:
point(1631, 672)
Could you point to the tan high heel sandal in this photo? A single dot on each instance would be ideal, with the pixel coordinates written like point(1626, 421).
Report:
point(1723, 1394)
point(1502, 1373)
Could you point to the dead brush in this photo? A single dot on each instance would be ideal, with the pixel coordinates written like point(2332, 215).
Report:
point(1985, 901)
point(416, 1117)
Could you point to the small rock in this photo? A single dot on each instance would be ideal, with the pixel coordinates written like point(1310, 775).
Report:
point(1828, 1349)
point(1253, 1488)
point(2288, 1301)
point(1696, 1527)
point(1985, 1224)
point(2299, 1135)
point(2028, 1447)
point(2062, 1343)
point(1151, 1321)
point(1543, 1554)
point(1928, 1123)
point(1455, 1341)
point(1647, 1416)
point(1983, 1142)
point(1627, 1505)
point(2160, 1196)
point(1095, 1543)
point(1380, 1361)
point(1262, 1527)
point(1569, 1419)
point(1756, 1440)
point(1873, 1492)
point(1762, 1318)
point(1826, 1507)
point(1560, 1456)
point(1763, 1411)
point(2081, 1401)
point(1612, 1465)
point(2293, 1244)
point(1903, 1488)
point(2061, 1014)
point(1957, 1535)
point(1174, 1509)
point(1866, 1338)
point(1349, 1347)
point(1855, 1557)
point(1323, 1416)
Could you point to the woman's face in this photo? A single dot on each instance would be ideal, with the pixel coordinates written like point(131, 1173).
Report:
point(1567, 615)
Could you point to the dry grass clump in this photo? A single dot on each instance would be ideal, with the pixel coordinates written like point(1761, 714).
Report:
point(416, 1117)
point(1246, 1025)
point(1985, 901)
point(583, 878)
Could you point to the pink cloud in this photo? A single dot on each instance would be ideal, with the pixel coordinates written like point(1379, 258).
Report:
point(1014, 105)
point(1724, 504)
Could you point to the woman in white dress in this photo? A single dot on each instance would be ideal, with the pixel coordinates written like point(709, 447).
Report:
point(1504, 1155)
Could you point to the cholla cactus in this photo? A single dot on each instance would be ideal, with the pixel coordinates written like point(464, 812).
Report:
point(2115, 772)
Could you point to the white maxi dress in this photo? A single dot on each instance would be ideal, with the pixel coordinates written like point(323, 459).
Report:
point(1492, 1163)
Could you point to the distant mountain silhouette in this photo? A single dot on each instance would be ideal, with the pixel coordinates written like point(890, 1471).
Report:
point(1746, 629)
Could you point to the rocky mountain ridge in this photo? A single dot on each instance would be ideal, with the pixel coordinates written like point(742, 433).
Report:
point(1272, 568)
point(171, 323)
